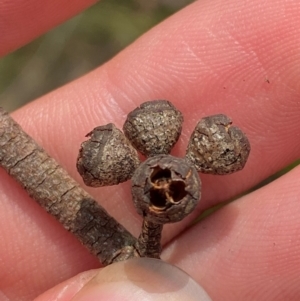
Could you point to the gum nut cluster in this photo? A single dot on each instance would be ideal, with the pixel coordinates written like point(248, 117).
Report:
point(164, 188)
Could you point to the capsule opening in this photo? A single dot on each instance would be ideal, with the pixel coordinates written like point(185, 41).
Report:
point(165, 191)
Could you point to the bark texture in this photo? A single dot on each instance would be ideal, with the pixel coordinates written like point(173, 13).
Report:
point(53, 188)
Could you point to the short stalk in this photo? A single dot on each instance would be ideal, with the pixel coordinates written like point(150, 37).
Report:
point(148, 244)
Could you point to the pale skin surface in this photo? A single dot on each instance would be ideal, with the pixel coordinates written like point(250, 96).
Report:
point(241, 58)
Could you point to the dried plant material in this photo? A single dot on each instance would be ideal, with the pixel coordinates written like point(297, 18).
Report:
point(217, 147)
point(51, 186)
point(154, 127)
point(107, 158)
point(165, 189)
point(148, 244)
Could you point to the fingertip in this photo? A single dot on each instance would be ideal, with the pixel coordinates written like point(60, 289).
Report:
point(141, 279)
point(66, 290)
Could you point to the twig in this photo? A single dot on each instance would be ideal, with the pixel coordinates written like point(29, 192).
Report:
point(54, 189)
point(148, 244)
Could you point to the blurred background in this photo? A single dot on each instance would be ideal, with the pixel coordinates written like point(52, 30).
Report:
point(77, 46)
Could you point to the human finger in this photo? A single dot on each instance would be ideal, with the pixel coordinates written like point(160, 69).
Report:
point(181, 72)
point(22, 21)
point(249, 250)
point(135, 279)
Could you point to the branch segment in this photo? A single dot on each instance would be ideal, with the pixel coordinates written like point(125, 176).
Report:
point(54, 189)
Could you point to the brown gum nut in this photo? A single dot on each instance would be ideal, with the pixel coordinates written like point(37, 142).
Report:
point(217, 147)
point(154, 127)
point(107, 158)
point(165, 189)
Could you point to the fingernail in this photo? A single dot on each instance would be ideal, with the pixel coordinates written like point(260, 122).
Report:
point(141, 279)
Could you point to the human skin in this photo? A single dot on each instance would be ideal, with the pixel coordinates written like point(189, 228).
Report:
point(240, 58)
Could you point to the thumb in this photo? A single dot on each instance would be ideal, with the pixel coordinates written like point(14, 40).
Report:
point(141, 279)
point(136, 279)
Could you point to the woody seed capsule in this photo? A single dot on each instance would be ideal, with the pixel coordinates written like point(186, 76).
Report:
point(217, 147)
point(107, 158)
point(154, 127)
point(165, 189)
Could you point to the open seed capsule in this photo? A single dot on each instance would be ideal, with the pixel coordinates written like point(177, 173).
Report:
point(165, 189)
